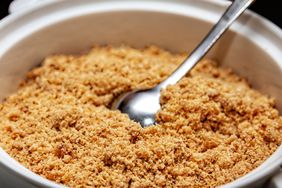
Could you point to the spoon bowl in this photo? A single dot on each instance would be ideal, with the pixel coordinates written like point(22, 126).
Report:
point(140, 105)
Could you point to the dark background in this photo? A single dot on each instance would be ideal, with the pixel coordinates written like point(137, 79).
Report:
point(271, 9)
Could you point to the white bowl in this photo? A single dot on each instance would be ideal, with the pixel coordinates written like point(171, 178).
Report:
point(252, 48)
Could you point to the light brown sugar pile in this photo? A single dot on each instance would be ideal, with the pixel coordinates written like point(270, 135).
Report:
point(212, 128)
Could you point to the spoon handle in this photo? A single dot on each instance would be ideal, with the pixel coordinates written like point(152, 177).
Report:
point(231, 14)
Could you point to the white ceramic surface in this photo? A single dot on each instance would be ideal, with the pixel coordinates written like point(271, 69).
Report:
point(252, 48)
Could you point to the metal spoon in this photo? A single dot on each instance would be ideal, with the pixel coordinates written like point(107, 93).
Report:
point(142, 105)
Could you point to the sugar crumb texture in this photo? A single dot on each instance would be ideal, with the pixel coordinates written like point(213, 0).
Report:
point(212, 127)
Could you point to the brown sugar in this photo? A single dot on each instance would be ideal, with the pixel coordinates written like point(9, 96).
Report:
point(212, 128)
